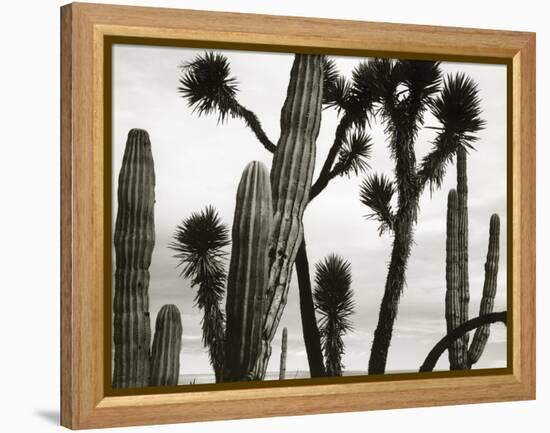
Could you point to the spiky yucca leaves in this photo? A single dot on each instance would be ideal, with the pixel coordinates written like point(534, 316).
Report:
point(376, 193)
point(207, 86)
point(348, 154)
point(354, 154)
point(334, 302)
point(402, 91)
point(199, 242)
point(458, 110)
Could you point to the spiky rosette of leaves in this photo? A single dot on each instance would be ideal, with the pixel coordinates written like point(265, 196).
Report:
point(207, 86)
point(354, 154)
point(458, 110)
point(334, 302)
point(421, 80)
point(199, 242)
point(376, 192)
point(330, 78)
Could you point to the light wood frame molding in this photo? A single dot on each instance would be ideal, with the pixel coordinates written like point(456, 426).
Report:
point(84, 403)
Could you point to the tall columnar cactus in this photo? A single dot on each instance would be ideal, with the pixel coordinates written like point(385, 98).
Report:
point(165, 355)
point(489, 291)
point(464, 285)
point(282, 365)
point(134, 239)
point(248, 273)
point(453, 306)
point(291, 174)
point(458, 292)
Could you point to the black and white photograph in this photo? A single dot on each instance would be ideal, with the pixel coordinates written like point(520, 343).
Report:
point(280, 216)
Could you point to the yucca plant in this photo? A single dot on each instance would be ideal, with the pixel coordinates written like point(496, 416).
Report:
point(403, 92)
point(199, 242)
point(208, 87)
point(334, 302)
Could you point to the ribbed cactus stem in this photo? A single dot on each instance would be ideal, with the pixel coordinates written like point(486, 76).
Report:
point(452, 296)
point(165, 355)
point(134, 239)
point(489, 290)
point(248, 272)
point(291, 175)
point(282, 365)
point(464, 285)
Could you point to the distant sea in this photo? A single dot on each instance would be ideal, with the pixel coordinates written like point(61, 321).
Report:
point(187, 379)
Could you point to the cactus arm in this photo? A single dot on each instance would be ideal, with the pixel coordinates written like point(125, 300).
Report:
point(489, 290)
point(291, 176)
point(248, 272)
point(134, 239)
point(464, 284)
point(165, 354)
point(446, 342)
point(282, 365)
point(452, 296)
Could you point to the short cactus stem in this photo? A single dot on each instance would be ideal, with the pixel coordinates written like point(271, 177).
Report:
point(282, 365)
point(248, 273)
point(134, 239)
point(165, 355)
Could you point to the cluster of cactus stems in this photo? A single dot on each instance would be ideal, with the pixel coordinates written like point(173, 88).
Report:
point(134, 239)
point(291, 175)
point(282, 364)
point(248, 273)
point(165, 354)
point(462, 354)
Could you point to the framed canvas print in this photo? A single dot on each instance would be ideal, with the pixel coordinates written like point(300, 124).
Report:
point(266, 215)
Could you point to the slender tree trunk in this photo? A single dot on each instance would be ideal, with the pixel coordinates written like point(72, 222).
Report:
point(312, 338)
point(392, 293)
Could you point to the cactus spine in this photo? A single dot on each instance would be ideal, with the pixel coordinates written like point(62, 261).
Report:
point(452, 297)
point(248, 272)
point(489, 290)
point(165, 355)
point(134, 239)
point(282, 365)
point(291, 175)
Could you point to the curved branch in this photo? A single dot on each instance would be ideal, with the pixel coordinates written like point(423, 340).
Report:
point(254, 124)
point(445, 342)
point(327, 174)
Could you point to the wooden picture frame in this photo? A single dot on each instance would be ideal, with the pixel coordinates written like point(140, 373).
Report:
point(85, 28)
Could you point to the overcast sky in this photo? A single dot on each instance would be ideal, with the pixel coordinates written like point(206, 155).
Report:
point(199, 162)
